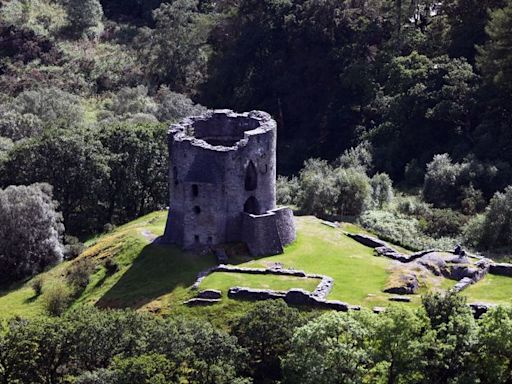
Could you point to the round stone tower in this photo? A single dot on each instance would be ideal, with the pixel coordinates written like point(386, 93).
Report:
point(222, 182)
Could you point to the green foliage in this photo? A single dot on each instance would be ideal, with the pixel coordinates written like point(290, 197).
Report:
point(332, 348)
point(52, 106)
point(266, 333)
point(78, 273)
point(495, 57)
point(176, 51)
point(56, 298)
point(37, 285)
point(382, 189)
point(144, 369)
point(287, 190)
point(31, 230)
point(441, 181)
point(496, 226)
point(85, 17)
point(17, 126)
point(354, 191)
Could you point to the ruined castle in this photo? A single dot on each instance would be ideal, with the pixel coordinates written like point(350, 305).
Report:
point(222, 183)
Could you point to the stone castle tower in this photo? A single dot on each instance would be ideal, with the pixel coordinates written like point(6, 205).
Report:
point(222, 183)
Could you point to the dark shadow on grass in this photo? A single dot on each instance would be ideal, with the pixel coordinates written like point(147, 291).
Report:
point(31, 299)
point(158, 270)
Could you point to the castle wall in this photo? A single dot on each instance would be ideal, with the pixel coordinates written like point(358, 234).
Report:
point(223, 163)
point(261, 235)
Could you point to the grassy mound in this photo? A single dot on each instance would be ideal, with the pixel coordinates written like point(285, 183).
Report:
point(157, 278)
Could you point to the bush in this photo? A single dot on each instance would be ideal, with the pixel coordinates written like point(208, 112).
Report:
point(56, 298)
point(172, 106)
point(444, 222)
point(17, 126)
point(359, 157)
point(111, 266)
point(78, 273)
point(73, 247)
point(37, 285)
point(100, 376)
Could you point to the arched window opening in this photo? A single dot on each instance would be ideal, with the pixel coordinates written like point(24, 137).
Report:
point(252, 206)
point(251, 177)
point(197, 210)
point(195, 190)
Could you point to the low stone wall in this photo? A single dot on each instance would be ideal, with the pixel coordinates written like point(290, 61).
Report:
point(294, 296)
point(285, 225)
point(259, 271)
point(261, 234)
point(503, 269)
point(369, 241)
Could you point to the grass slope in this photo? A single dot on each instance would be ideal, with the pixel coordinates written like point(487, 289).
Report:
point(157, 278)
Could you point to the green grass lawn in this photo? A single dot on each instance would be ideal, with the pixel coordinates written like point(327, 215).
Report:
point(491, 289)
point(158, 278)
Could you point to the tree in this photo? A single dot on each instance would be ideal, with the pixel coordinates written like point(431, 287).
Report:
point(176, 51)
point(30, 231)
point(266, 331)
point(317, 193)
point(382, 189)
point(400, 344)
point(334, 348)
point(495, 56)
point(453, 340)
point(75, 164)
point(496, 230)
point(354, 191)
point(441, 185)
point(496, 346)
point(85, 17)
point(144, 369)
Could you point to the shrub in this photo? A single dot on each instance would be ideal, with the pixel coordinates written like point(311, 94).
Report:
point(17, 126)
point(78, 274)
point(131, 101)
point(56, 298)
point(37, 285)
point(73, 247)
point(111, 266)
point(444, 222)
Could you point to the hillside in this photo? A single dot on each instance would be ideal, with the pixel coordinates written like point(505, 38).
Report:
point(157, 278)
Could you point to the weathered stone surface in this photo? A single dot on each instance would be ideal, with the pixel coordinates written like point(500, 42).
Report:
point(254, 294)
point(330, 224)
point(260, 271)
point(407, 284)
point(336, 305)
point(297, 296)
point(479, 309)
point(503, 269)
point(462, 284)
point(222, 183)
point(403, 299)
point(434, 262)
point(378, 309)
point(201, 301)
point(210, 294)
point(369, 241)
point(324, 287)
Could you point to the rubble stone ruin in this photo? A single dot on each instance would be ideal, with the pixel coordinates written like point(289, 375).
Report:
point(222, 183)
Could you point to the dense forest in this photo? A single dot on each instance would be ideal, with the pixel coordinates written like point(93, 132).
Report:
point(410, 99)
point(440, 342)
